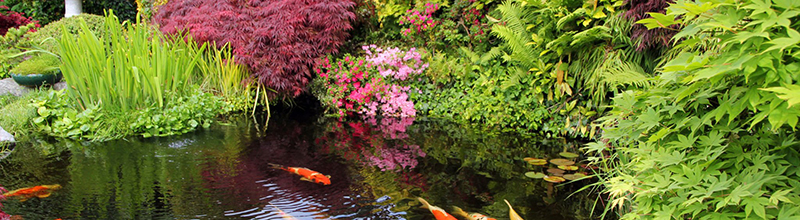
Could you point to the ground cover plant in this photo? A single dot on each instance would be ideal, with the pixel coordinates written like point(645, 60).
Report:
point(278, 40)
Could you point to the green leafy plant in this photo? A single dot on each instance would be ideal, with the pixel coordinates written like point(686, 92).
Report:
point(131, 67)
point(715, 138)
point(9, 48)
point(222, 76)
point(40, 64)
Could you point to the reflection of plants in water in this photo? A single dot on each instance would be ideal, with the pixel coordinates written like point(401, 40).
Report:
point(392, 128)
point(3, 215)
point(397, 158)
point(366, 142)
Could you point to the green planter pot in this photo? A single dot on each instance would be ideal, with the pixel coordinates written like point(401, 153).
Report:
point(35, 80)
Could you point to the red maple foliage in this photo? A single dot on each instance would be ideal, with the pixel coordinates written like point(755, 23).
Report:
point(647, 39)
point(12, 19)
point(278, 39)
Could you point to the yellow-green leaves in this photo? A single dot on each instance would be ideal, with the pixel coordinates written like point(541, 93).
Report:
point(790, 93)
point(658, 20)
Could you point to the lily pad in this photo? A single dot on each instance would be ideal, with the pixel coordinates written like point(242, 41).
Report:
point(568, 167)
point(562, 161)
point(554, 179)
point(535, 161)
point(556, 171)
point(568, 154)
point(574, 176)
point(535, 175)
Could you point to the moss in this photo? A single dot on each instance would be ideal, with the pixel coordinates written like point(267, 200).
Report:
point(41, 64)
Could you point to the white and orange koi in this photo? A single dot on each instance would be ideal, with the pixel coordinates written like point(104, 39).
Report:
point(471, 216)
point(283, 214)
point(307, 174)
point(438, 213)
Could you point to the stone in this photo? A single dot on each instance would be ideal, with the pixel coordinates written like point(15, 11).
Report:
point(60, 85)
point(8, 86)
point(5, 136)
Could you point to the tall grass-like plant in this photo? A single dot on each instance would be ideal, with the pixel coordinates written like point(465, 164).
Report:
point(131, 67)
point(221, 74)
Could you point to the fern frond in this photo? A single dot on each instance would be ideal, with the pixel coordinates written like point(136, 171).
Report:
point(578, 13)
point(590, 35)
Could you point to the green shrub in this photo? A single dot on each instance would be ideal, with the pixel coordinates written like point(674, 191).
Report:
point(40, 64)
point(54, 31)
point(9, 48)
point(716, 137)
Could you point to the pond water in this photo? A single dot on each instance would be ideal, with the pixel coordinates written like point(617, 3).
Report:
point(378, 168)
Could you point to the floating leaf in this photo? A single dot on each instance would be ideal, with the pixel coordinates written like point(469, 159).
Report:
point(554, 179)
point(568, 167)
point(568, 154)
point(556, 171)
point(562, 161)
point(535, 161)
point(574, 176)
point(535, 175)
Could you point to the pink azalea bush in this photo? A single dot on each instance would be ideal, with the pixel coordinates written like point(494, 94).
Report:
point(371, 85)
point(419, 21)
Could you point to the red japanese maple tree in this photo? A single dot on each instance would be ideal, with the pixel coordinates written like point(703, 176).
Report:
point(12, 19)
point(278, 39)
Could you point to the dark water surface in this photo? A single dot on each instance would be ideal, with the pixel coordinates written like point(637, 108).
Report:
point(378, 168)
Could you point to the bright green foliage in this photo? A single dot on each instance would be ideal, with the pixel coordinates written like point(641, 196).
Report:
point(716, 138)
point(56, 116)
point(40, 64)
point(560, 60)
point(131, 67)
point(182, 115)
point(9, 44)
point(222, 76)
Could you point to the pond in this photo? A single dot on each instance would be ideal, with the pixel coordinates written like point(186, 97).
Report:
point(378, 168)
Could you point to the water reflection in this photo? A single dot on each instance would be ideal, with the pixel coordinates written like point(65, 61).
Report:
point(377, 167)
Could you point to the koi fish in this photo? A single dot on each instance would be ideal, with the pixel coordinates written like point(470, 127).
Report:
point(283, 214)
point(30, 192)
point(472, 216)
point(438, 213)
point(511, 213)
point(307, 174)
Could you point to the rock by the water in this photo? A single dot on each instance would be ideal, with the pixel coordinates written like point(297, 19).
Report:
point(8, 86)
point(5, 136)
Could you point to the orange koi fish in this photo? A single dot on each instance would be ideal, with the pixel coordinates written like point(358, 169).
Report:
point(438, 213)
point(471, 216)
point(307, 174)
point(30, 192)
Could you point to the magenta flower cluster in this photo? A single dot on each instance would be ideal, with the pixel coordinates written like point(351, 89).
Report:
point(372, 85)
point(419, 21)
